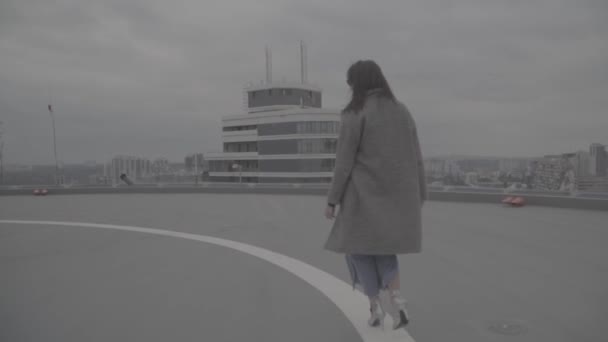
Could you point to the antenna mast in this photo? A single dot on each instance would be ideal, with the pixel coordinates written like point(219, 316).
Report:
point(268, 65)
point(303, 63)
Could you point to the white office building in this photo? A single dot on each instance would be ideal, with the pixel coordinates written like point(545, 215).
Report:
point(284, 136)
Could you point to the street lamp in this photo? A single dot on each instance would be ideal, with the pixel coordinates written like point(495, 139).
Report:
point(54, 145)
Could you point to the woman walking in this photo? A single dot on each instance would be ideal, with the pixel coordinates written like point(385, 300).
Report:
point(379, 187)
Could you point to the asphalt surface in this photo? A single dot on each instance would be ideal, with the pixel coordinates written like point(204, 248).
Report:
point(487, 272)
point(66, 284)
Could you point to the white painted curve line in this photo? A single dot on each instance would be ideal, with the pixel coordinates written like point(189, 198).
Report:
point(353, 304)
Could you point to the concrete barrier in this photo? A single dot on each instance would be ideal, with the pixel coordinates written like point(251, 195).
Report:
point(534, 200)
point(557, 200)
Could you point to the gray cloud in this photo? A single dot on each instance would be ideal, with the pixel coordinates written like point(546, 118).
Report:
point(153, 78)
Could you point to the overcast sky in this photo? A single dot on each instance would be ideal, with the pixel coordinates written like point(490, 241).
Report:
point(152, 78)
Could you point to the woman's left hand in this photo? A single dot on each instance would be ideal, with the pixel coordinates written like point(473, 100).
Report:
point(330, 212)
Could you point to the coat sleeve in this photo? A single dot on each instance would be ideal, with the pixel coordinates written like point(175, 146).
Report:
point(351, 127)
point(420, 162)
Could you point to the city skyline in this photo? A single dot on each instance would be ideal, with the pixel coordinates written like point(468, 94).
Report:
point(179, 158)
point(489, 78)
point(571, 172)
point(188, 153)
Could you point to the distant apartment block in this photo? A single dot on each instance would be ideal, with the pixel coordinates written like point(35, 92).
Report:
point(195, 163)
point(582, 164)
point(134, 167)
point(439, 167)
point(513, 165)
point(571, 171)
point(592, 184)
point(598, 160)
point(160, 166)
point(549, 172)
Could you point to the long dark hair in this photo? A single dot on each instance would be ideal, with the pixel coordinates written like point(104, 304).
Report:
point(362, 77)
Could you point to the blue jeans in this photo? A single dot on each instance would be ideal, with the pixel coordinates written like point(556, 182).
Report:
point(373, 272)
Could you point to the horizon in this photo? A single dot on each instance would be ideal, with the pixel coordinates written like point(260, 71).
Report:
point(181, 161)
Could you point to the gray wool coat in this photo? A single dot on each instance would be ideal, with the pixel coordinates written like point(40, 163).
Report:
point(378, 182)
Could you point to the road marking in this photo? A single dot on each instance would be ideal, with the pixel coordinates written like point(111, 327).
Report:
point(353, 304)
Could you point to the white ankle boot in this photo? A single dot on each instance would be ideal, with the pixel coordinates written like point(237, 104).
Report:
point(377, 314)
point(402, 318)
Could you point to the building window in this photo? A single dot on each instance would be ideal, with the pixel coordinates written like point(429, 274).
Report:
point(316, 127)
point(309, 127)
point(328, 165)
point(324, 146)
point(252, 147)
point(327, 145)
point(241, 147)
point(239, 128)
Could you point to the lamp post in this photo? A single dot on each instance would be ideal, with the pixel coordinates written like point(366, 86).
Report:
point(54, 144)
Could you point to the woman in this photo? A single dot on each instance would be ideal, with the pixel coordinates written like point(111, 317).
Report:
point(379, 186)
